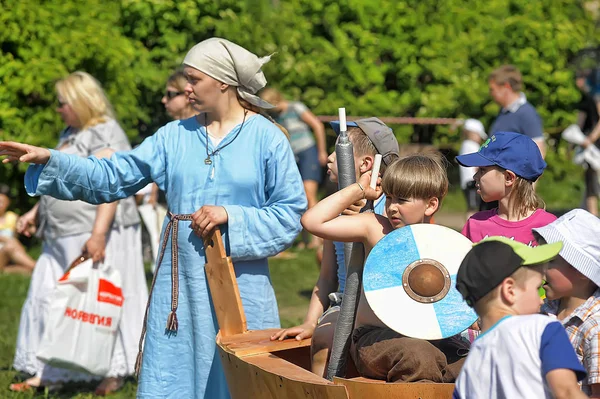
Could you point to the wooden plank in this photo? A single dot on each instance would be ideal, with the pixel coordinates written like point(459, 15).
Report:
point(268, 377)
point(223, 286)
point(257, 342)
point(367, 388)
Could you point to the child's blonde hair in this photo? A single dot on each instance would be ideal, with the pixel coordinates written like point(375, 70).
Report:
point(271, 95)
point(85, 96)
point(419, 176)
point(523, 198)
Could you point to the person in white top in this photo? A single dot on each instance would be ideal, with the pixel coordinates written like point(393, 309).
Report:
point(473, 135)
point(520, 354)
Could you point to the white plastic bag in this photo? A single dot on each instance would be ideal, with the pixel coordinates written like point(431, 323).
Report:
point(83, 319)
point(591, 154)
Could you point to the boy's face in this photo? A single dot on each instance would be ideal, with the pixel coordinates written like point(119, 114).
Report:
point(560, 278)
point(527, 297)
point(489, 181)
point(406, 211)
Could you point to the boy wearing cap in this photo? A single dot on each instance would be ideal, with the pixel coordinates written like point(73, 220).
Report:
point(369, 137)
point(572, 292)
point(473, 134)
point(508, 165)
point(415, 186)
point(520, 354)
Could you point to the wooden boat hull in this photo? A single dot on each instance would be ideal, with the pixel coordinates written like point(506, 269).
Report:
point(258, 368)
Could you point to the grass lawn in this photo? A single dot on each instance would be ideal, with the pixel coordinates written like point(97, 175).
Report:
point(293, 280)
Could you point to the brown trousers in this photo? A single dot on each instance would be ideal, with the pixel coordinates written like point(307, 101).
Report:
point(383, 354)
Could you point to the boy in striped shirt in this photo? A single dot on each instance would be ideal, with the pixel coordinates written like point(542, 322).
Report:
point(572, 293)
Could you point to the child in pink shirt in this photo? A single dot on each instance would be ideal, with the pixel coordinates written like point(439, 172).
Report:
point(508, 165)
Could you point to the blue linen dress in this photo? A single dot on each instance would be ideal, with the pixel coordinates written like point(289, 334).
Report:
point(254, 177)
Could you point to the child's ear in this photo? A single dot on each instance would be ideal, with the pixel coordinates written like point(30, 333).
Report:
point(507, 290)
point(366, 164)
point(509, 178)
point(432, 206)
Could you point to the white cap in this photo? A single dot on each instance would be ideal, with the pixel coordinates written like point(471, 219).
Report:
point(579, 231)
point(473, 125)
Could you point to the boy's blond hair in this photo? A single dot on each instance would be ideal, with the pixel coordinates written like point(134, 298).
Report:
point(419, 176)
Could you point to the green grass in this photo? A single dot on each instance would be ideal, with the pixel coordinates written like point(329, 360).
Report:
point(454, 201)
point(293, 280)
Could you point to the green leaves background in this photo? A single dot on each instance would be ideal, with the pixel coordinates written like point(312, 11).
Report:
point(424, 58)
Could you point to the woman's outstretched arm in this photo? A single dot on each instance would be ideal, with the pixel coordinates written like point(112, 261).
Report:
point(93, 180)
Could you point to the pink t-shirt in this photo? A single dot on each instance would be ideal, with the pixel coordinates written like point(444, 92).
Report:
point(488, 223)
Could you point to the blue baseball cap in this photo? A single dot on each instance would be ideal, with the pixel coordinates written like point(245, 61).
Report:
point(380, 134)
point(512, 151)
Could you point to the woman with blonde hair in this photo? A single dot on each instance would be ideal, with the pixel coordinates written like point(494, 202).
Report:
point(229, 166)
point(109, 232)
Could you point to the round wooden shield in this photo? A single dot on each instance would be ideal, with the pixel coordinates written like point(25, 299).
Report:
point(409, 281)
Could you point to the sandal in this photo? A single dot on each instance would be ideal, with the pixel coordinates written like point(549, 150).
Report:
point(29, 385)
point(22, 387)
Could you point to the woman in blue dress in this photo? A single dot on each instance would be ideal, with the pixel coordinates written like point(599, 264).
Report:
point(228, 166)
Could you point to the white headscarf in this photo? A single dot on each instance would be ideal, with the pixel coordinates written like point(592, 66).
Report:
point(231, 64)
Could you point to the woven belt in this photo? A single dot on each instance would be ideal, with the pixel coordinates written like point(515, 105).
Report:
point(172, 323)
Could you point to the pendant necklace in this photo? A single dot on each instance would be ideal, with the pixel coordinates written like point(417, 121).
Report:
point(208, 161)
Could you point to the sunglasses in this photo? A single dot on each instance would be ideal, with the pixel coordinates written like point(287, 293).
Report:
point(172, 94)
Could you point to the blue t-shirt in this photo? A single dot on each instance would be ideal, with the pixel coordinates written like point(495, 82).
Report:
point(511, 359)
point(379, 209)
point(519, 118)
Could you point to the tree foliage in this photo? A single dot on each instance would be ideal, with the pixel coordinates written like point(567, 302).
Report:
point(401, 58)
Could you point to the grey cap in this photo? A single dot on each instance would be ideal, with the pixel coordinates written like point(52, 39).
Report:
point(380, 134)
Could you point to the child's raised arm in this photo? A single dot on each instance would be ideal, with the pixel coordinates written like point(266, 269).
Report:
point(324, 218)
